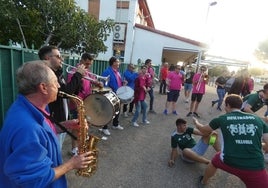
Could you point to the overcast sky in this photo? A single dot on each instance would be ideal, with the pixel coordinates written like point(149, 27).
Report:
point(233, 28)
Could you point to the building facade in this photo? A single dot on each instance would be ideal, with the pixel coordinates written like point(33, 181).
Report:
point(135, 37)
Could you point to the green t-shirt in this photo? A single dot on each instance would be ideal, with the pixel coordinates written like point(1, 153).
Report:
point(254, 101)
point(241, 139)
point(183, 140)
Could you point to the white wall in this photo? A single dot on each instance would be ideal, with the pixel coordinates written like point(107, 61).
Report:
point(150, 45)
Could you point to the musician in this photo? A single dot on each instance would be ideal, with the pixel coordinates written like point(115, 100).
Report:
point(114, 83)
point(30, 153)
point(150, 83)
point(129, 75)
point(59, 108)
point(200, 80)
point(84, 91)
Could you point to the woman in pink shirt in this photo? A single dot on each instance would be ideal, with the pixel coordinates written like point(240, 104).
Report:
point(174, 83)
point(139, 97)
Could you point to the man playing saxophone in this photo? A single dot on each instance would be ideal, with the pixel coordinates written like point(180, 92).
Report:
point(30, 152)
point(200, 80)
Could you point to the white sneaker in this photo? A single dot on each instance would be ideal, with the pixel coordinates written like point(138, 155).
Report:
point(125, 114)
point(146, 122)
point(135, 124)
point(119, 127)
point(106, 132)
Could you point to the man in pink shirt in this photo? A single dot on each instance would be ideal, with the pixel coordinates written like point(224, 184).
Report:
point(174, 83)
point(150, 79)
point(200, 80)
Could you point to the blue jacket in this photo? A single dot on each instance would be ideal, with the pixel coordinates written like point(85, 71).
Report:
point(112, 82)
point(29, 149)
point(130, 77)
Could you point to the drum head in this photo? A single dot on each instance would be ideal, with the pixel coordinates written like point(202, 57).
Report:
point(125, 93)
point(98, 109)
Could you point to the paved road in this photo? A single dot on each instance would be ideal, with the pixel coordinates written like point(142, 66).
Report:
point(137, 157)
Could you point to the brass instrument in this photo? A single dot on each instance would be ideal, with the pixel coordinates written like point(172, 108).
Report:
point(203, 77)
point(71, 70)
point(86, 142)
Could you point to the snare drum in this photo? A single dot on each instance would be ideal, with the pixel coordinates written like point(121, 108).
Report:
point(100, 109)
point(125, 94)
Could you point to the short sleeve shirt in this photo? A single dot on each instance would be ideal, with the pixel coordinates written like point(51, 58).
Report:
point(254, 101)
point(183, 140)
point(242, 135)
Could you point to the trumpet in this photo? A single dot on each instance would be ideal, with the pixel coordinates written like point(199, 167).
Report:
point(203, 77)
point(72, 69)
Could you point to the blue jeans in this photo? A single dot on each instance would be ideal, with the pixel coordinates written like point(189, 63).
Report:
point(140, 105)
point(221, 94)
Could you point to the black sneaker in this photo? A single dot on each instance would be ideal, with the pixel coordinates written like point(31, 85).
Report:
point(189, 114)
point(196, 115)
point(199, 183)
point(213, 103)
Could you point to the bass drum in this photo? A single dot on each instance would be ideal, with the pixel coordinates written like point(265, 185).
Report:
point(125, 94)
point(100, 109)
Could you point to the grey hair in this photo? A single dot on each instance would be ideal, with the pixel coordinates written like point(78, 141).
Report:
point(30, 75)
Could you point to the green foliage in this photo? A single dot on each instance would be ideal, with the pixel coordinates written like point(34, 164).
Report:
point(55, 22)
point(255, 71)
point(217, 70)
point(261, 52)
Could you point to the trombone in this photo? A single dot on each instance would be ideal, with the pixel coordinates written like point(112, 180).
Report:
point(72, 69)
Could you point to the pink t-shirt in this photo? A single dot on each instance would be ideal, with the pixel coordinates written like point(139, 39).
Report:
point(199, 85)
point(139, 92)
point(175, 80)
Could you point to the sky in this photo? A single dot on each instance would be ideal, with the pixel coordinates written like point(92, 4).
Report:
point(232, 28)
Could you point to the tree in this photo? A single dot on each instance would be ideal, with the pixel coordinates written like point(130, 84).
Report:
point(56, 22)
point(261, 52)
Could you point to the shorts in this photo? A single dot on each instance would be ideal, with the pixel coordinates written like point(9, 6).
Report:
point(252, 178)
point(173, 95)
point(188, 87)
point(200, 148)
point(196, 97)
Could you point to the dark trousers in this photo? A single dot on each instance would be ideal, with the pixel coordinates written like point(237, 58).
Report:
point(151, 94)
point(115, 121)
point(163, 86)
point(131, 105)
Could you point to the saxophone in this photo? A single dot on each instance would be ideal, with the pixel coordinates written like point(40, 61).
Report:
point(86, 142)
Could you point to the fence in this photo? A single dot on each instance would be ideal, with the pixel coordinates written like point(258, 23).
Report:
point(11, 58)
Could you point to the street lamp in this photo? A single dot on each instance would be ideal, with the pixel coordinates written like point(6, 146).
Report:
point(213, 3)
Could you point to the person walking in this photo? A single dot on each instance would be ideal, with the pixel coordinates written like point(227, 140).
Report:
point(188, 83)
point(220, 83)
point(174, 82)
point(241, 153)
point(163, 77)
